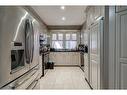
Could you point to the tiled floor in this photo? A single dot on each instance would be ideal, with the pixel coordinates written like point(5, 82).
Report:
point(64, 78)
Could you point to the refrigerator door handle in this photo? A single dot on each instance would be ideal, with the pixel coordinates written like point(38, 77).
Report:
point(32, 42)
point(27, 41)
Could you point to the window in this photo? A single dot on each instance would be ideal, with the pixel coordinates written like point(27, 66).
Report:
point(71, 44)
point(64, 40)
point(71, 41)
point(57, 44)
point(54, 37)
point(68, 36)
point(74, 37)
point(57, 41)
point(60, 36)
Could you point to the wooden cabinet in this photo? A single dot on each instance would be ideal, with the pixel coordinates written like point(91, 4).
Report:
point(121, 49)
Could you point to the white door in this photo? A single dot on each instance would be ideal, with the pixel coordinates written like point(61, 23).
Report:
point(121, 50)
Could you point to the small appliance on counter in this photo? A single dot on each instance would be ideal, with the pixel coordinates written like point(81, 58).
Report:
point(81, 47)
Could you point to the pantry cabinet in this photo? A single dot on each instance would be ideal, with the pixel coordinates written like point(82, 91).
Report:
point(121, 46)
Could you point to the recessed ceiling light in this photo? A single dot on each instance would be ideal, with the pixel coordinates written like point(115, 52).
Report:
point(63, 18)
point(62, 7)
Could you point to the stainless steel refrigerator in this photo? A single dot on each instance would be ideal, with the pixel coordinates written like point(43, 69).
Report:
point(19, 48)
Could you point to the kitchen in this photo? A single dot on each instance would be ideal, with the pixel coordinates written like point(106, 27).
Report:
point(63, 47)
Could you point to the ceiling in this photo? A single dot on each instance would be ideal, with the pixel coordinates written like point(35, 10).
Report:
point(52, 15)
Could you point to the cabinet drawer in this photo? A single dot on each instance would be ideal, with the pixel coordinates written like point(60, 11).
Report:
point(121, 8)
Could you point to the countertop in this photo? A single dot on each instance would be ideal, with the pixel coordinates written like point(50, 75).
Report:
point(64, 50)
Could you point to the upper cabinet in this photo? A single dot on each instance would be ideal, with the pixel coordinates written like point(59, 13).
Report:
point(94, 12)
point(90, 15)
point(97, 12)
point(121, 8)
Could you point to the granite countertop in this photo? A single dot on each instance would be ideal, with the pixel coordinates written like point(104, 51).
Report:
point(64, 50)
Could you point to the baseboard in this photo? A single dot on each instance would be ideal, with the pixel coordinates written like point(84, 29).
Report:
point(81, 68)
point(89, 84)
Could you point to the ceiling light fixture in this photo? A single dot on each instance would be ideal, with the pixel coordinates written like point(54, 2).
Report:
point(62, 7)
point(63, 18)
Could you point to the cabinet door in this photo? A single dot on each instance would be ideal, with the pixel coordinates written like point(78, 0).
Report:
point(94, 55)
point(86, 66)
point(97, 12)
point(86, 37)
point(90, 16)
point(60, 57)
point(55, 58)
point(121, 50)
point(73, 58)
point(121, 8)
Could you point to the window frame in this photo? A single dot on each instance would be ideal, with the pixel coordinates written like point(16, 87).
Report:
point(64, 37)
point(66, 40)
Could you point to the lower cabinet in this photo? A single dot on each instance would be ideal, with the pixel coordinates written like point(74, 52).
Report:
point(65, 58)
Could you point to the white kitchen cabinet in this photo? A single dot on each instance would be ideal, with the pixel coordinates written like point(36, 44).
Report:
point(65, 58)
point(97, 12)
point(93, 13)
point(86, 37)
point(90, 16)
point(95, 51)
point(86, 66)
point(75, 58)
point(121, 8)
point(68, 56)
point(121, 50)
